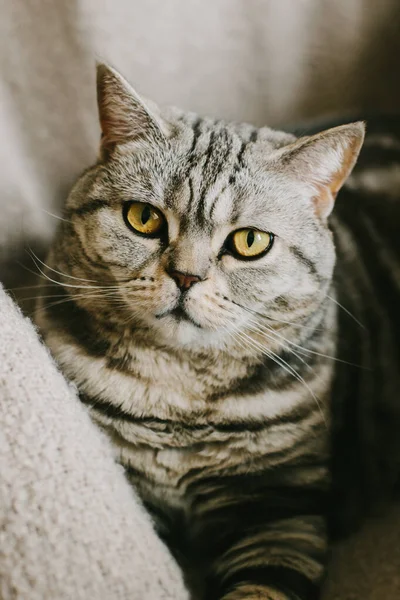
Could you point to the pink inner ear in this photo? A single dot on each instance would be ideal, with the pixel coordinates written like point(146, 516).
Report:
point(323, 202)
point(341, 175)
point(325, 199)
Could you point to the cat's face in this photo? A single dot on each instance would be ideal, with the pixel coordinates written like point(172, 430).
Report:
point(204, 230)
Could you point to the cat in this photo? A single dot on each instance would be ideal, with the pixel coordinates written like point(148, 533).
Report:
point(235, 338)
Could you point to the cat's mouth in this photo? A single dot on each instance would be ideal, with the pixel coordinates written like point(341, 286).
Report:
point(181, 315)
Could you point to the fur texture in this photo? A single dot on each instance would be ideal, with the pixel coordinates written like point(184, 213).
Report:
point(219, 398)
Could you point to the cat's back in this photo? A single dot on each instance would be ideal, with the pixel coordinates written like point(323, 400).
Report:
point(366, 395)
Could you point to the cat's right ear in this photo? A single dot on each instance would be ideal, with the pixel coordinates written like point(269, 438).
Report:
point(124, 116)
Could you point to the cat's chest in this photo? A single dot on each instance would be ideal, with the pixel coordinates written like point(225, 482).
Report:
point(168, 439)
point(171, 421)
point(167, 433)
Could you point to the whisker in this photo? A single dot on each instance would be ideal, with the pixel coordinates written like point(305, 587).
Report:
point(284, 365)
point(306, 350)
point(237, 340)
point(269, 318)
point(68, 285)
point(90, 295)
point(96, 294)
point(262, 330)
point(346, 311)
point(31, 287)
point(329, 356)
point(55, 216)
point(254, 327)
point(33, 255)
point(27, 269)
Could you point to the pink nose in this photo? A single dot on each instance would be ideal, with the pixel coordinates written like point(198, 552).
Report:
point(184, 281)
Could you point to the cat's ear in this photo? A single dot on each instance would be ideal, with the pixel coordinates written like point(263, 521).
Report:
point(124, 116)
point(325, 160)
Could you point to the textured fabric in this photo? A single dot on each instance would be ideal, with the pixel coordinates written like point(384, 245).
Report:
point(70, 525)
point(264, 61)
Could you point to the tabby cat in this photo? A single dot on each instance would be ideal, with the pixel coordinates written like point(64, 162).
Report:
point(238, 342)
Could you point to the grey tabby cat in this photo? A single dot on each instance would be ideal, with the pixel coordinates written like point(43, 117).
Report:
point(198, 313)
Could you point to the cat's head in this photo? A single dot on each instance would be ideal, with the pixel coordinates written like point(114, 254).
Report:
point(201, 230)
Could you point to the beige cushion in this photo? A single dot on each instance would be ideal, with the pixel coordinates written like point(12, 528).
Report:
point(71, 527)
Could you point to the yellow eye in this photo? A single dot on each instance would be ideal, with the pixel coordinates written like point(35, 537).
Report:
point(251, 243)
point(144, 218)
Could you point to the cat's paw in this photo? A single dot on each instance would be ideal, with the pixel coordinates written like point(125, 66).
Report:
point(255, 592)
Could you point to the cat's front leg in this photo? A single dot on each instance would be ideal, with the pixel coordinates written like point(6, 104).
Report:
point(262, 544)
point(278, 560)
point(255, 592)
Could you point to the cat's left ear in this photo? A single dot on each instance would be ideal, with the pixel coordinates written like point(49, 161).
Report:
point(124, 116)
point(325, 160)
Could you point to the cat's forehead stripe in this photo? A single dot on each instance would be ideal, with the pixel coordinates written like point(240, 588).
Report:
point(215, 157)
point(218, 154)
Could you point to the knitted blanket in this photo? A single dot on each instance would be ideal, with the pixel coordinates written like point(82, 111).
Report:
point(71, 527)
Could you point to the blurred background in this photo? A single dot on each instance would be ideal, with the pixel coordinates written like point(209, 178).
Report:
point(272, 62)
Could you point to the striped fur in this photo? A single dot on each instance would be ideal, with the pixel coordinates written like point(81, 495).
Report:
point(224, 419)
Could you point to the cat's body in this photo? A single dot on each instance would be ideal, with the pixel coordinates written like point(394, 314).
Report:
point(215, 376)
point(366, 397)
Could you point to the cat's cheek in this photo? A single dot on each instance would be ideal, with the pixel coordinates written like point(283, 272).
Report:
point(149, 296)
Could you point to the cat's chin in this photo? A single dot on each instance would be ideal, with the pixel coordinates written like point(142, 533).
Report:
point(182, 332)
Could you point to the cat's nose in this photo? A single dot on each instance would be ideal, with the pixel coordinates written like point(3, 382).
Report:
point(184, 281)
